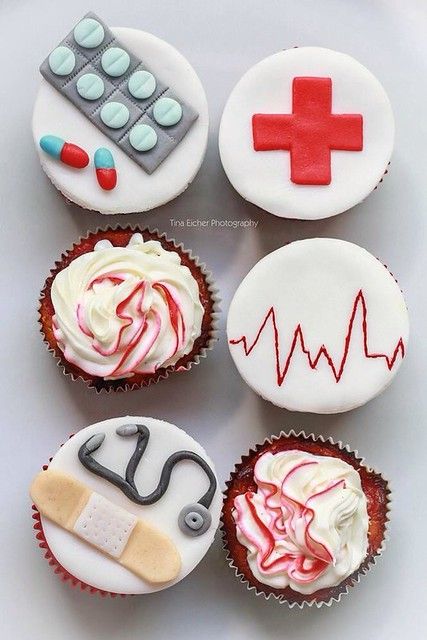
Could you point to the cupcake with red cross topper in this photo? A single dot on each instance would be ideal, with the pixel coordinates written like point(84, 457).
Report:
point(306, 133)
point(125, 307)
point(303, 519)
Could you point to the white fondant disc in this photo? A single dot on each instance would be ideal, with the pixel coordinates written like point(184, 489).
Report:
point(188, 484)
point(136, 190)
point(263, 177)
point(319, 325)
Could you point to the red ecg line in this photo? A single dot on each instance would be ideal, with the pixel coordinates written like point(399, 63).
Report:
point(299, 336)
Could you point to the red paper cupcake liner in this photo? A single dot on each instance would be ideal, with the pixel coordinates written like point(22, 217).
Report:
point(59, 570)
point(375, 487)
point(120, 236)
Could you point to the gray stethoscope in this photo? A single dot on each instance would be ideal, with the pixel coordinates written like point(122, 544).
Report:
point(194, 519)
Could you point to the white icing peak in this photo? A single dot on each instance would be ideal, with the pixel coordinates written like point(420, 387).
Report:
point(126, 310)
point(306, 526)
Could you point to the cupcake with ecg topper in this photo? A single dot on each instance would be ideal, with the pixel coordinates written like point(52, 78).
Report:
point(121, 119)
point(329, 330)
point(124, 308)
point(126, 506)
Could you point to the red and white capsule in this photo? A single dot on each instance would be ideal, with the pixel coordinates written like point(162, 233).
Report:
point(66, 152)
point(106, 173)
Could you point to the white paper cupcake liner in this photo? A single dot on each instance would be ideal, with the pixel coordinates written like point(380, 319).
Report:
point(371, 559)
point(124, 385)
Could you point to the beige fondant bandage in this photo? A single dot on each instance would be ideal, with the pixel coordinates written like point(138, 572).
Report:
point(136, 545)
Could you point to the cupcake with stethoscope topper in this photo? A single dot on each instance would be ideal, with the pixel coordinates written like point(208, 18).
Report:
point(126, 506)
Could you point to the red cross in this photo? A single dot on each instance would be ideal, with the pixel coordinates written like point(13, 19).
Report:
point(310, 132)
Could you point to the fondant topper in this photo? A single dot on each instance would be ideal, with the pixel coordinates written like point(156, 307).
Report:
point(138, 545)
point(329, 329)
point(114, 89)
point(306, 133)
point(129, 505)
point(194, 519)
point(310, 132)
point(133, 543)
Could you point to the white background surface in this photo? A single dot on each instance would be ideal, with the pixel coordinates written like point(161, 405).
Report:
point(40, 407)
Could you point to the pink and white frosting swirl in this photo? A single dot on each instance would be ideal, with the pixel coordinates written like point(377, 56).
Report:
point(306, 526)
point(126, 310)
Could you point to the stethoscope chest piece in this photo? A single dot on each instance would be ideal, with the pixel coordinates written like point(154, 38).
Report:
point(194, 519)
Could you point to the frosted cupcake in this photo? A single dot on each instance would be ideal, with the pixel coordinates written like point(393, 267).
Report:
point(126, 506)
point(303, 519)
point(124, 308)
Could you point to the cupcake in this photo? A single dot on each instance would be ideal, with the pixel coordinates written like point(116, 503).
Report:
point(313, 129)
point(123, 308)
point(329, 329)
point(120, 121)
point(303, 519)
point(126, 506)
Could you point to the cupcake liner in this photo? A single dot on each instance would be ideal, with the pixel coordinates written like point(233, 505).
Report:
point(208, 297)
point(59, 570)
point(375, 487)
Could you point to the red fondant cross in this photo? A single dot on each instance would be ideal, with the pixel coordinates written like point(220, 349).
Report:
point(310, 132)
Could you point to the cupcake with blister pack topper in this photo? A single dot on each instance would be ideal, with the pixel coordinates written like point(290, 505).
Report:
point(120, 120)
point(306, 133)
point(126, 506)
point(126, 307)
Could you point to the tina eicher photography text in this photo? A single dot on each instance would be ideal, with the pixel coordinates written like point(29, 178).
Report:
point(213, 223)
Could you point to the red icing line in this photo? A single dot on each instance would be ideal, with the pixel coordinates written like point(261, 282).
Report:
point(175, 314)
point(310, 132)
point(286, 560)
point(120, 312)
point(313, 362)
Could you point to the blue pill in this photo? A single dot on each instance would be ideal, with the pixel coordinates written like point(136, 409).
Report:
point(52, 145)
point(167, 112)
point(89, 33)
point(62, 61)
point(142, 84)
point(115, 61)
point(103, 159)
point(143, 137)
point(90, 86)
point(114, 115)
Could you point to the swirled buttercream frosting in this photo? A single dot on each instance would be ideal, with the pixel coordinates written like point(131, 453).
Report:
point(306, 525)
point(121, 311)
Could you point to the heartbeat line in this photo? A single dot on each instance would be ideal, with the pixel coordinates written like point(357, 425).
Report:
point(313, 361)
